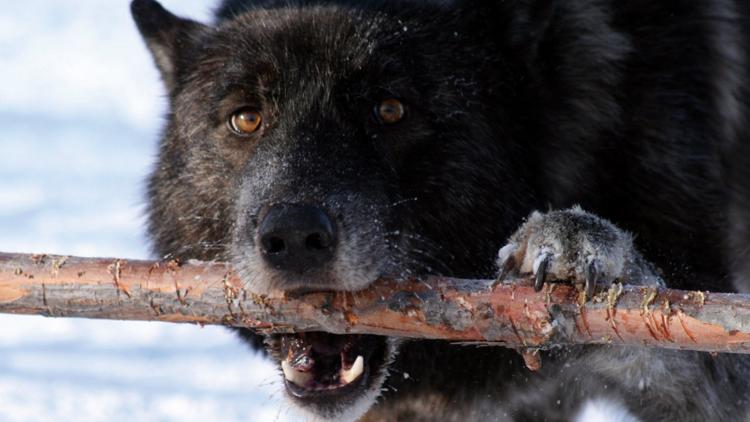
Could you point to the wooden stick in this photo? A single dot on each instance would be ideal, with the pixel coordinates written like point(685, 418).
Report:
point(512, 315)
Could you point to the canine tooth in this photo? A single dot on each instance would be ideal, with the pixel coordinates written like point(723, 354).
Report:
point(347, 376)
point(292, 375)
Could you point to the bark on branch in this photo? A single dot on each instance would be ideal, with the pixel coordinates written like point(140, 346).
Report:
point(512, 315)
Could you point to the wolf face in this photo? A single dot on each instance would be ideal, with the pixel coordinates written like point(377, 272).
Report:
point(321, 145)
point(301, 142)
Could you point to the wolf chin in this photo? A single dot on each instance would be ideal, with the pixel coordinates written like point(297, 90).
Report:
point(320, 145)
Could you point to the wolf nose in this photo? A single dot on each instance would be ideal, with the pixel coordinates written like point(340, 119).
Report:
point(296, 237)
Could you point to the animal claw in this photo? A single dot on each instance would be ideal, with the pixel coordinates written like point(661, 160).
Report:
point(505, 262)
point(541, 264)
point(506, 267)
point(593, 275)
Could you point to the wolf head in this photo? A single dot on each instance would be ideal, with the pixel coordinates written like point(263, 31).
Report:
point(320, 147)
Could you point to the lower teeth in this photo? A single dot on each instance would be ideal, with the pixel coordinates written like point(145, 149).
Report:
point(347, 376)
point(303, 379)
point(292, 375)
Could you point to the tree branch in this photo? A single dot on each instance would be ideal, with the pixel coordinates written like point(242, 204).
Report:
point(511, 315)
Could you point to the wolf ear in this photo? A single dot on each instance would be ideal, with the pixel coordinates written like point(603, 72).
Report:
point(166, 36)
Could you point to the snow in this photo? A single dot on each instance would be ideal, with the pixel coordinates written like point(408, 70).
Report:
point(80, 112)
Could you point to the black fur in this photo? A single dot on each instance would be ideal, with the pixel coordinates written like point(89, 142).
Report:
point(634, 110)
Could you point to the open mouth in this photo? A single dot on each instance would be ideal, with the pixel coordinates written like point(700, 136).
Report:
point(327, 366)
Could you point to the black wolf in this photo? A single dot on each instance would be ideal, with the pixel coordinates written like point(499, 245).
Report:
point(319, 145)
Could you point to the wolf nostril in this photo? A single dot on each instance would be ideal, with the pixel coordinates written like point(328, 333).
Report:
point(274, 245)
point(316, 241)
point(296, 237)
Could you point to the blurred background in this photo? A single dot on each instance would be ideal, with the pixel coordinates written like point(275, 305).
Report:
point(81, 107)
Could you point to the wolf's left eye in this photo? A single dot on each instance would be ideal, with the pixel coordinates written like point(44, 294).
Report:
point(390, 111)
point(245, 121)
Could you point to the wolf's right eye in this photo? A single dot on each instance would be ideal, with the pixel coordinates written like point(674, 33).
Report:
point(245, 121)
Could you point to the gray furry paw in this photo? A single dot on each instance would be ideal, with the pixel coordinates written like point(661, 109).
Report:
point(574, 246)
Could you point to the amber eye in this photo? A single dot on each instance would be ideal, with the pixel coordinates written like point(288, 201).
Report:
point(390, 111)
point(245, 121)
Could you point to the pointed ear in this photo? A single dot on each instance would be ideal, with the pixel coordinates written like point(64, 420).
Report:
point(166, 36)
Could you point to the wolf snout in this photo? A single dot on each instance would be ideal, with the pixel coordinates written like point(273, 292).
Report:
point(297, 238)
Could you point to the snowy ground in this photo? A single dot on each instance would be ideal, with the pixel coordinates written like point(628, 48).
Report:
point(80, 109)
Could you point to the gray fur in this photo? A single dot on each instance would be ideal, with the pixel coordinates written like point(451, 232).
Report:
point(573, 240)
